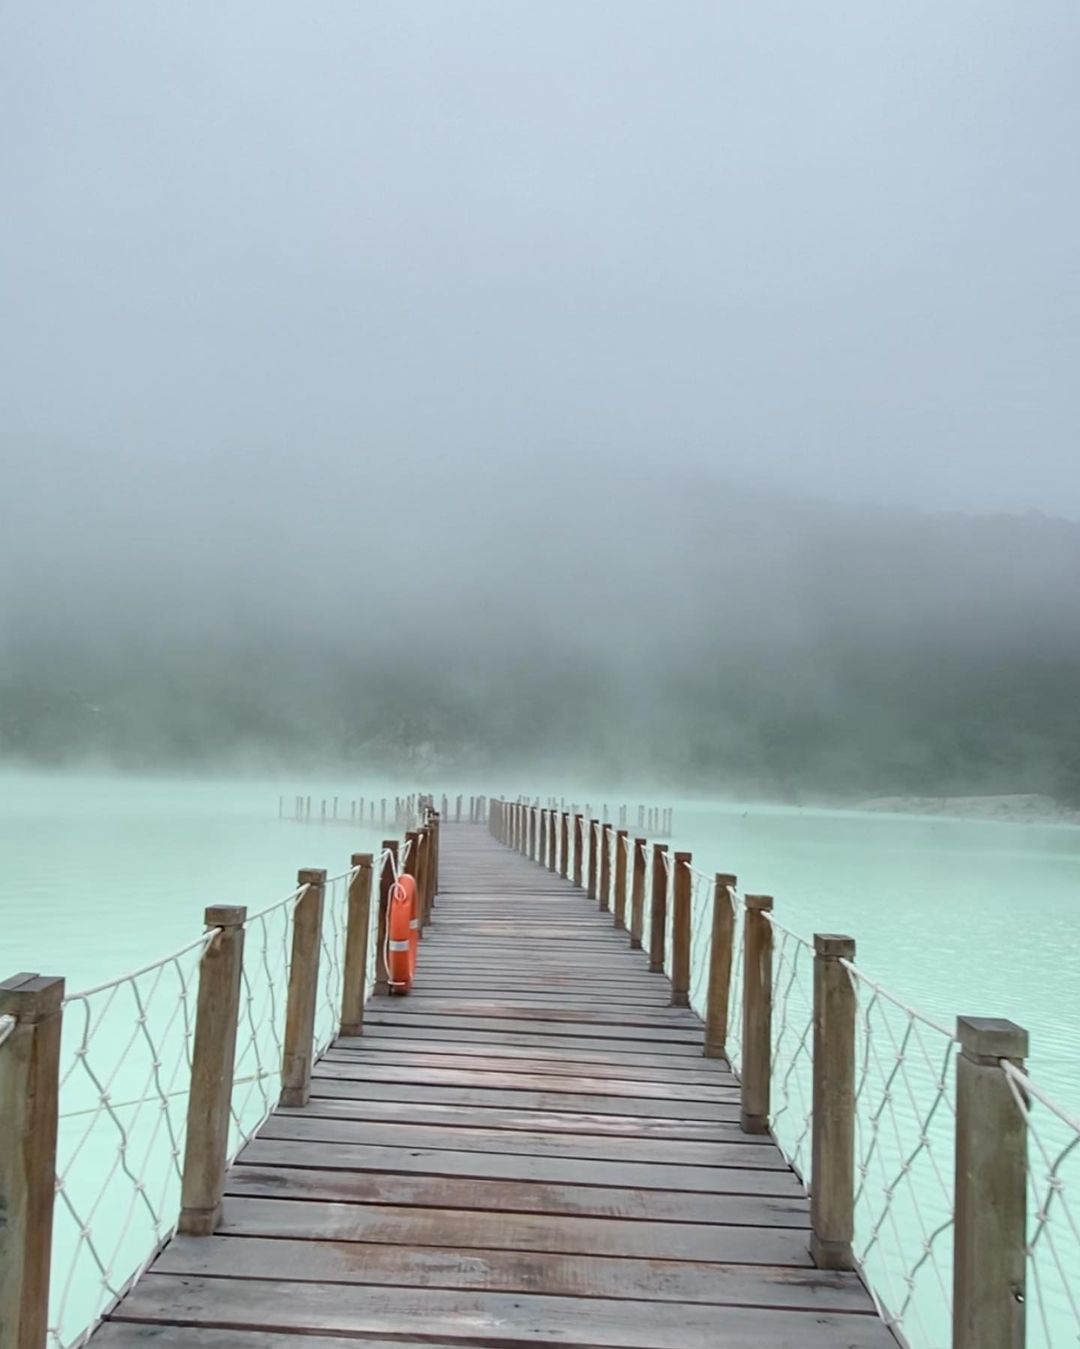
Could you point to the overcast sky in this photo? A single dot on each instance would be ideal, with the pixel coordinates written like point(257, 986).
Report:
point(249, 245)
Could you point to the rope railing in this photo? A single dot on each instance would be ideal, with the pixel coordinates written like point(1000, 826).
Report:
point(904, 1167)
point(1052, 1249)
point(905, 1123)
point(123, 1063)
point(126, 1063)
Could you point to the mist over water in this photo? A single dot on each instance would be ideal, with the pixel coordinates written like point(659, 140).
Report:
point(682, 400)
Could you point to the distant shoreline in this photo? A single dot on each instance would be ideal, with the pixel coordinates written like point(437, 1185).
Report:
point(1018, 808)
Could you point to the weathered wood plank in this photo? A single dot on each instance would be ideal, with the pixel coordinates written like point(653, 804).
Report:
point(508, 1196)
point(543, 1058)
point(512, 1268)
point(361, 1069)
point(730, 1148)
point(461, 1228)
point(494, 1117)
point(327, 1088)
point(486, 1318)
point(516, 1166)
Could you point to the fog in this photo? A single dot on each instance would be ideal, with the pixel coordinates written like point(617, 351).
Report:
point(672, 391)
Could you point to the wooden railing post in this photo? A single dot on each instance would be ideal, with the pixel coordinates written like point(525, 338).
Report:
point(721, 949)
point(213, 1053)
point(579, 847)
point(591, 867)
point(680, 929)
point(637, 894)
point(553, 839)
point(564, 845)
point(542, 839)
point(832, 1185)
point(436, 826)
point(619, 907)
point(386, 881)
point(990, 1230)
point(29, 1090)
point(658, 916)
point(757, 1016)
point(303, 990)
point(357, 925)
point(423, 849)
point(605, 868)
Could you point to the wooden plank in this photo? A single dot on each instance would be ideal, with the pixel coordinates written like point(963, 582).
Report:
point(361, 1069)
point(731, 1147)
point(516, 1166)
point(516, 1269)
point(505, 1196)
point(132, 1335)
point(487, 1318)
point(548, 1044)
point(494, 1025)
point(468, 1228)
point(491, 1117)
point(541, 1056)
point(328, 1088)
point(648, 1018)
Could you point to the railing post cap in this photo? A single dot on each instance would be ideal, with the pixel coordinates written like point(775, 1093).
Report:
point(225, 915)
point(991, 1037)
point(641, 842)
point(659, 847)
point(834, 946)
point(621, 833)
point(727, 878)
point(361, 859)
point(31, 997)
point(759, 903)
point(683, 856)
point(311, 876)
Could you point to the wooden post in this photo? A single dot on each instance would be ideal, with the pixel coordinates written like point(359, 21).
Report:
point(357, 923)
point(542, 841)
point(530, 833)
point(721, 950)
point(423, 847)
point(386, 881)
point(658, 916)
point(591, 871)
point(29, 1087)
point(303, 990)
point(990, 1231)
point(637, 893)
point(832, 1185)
point(579, 847)
point(433, 878)
point(564, 845)
point(757, 1015)
point(553, 839)
point(620, 878)
point(605, 868)
point(213, 1053)
point(680, 929)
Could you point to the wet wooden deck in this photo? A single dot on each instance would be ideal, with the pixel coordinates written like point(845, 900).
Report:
point(528, 1150)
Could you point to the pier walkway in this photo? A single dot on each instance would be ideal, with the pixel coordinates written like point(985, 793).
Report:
point(529, 1149)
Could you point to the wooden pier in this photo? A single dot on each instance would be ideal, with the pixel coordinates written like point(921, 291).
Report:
point(529, 1149)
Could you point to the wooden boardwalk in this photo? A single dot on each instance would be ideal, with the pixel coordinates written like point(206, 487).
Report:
point(528, 1150)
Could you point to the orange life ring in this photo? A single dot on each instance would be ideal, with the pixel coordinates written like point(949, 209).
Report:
point(402, 935)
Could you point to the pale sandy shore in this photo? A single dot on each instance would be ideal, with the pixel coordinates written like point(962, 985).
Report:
point(1020, 808)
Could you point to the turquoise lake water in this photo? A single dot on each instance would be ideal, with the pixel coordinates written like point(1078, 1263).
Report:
point(102, 874)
